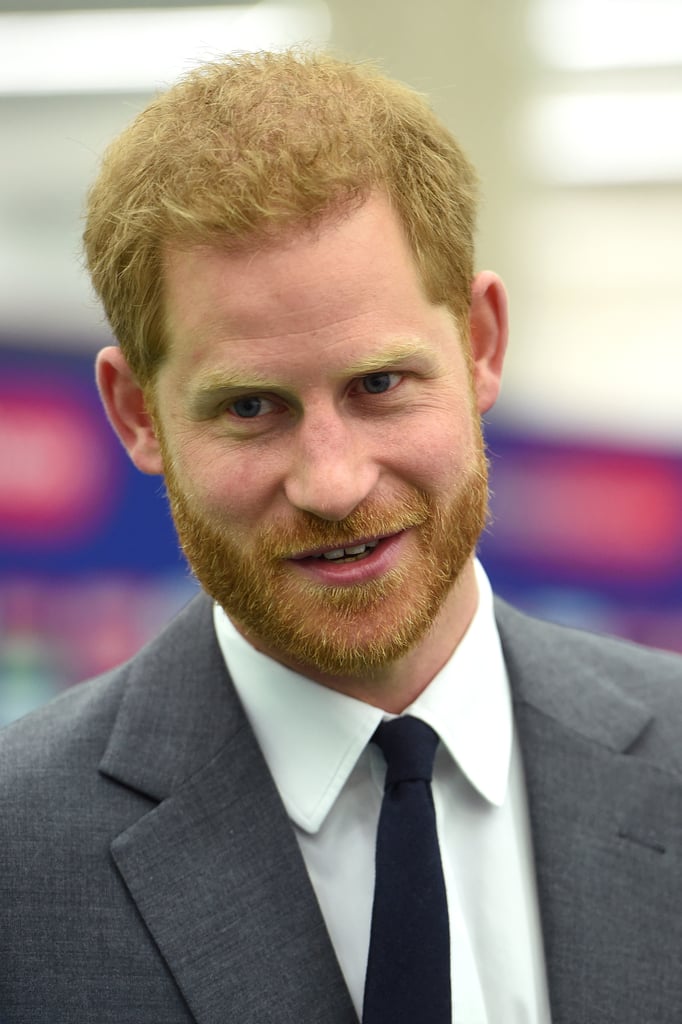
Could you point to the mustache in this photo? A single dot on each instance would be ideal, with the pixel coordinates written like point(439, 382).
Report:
point(310, 533)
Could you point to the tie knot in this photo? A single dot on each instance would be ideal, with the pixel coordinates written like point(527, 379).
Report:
point(409, 746)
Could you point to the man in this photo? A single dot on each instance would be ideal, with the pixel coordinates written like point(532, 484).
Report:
point(284, 248)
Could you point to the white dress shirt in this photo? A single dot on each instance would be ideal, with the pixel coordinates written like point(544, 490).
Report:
point(316, 743)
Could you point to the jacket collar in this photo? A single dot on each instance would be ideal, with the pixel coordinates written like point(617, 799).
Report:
point(604, 805)
point(566, 683)
point(214, 869)
point(177, 710)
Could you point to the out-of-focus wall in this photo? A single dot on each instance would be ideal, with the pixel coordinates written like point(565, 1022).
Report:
point(471, 60)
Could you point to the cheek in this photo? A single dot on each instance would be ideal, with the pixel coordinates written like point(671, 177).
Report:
point(437, 468)
point(435, 458)
point(227, 487)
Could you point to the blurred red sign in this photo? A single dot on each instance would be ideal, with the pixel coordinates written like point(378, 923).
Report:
point(54, 471)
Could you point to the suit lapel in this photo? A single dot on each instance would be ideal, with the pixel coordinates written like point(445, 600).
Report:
point(215, 869)
point(606, 833)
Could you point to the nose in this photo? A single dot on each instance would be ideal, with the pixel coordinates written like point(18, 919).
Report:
point(332, 469)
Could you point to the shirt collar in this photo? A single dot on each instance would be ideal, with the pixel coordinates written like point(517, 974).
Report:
point(311, 736)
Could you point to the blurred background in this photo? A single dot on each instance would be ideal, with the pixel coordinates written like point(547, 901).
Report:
point(572, 111)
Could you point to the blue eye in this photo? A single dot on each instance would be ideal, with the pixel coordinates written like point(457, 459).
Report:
point(250, 406)
point(377, 383)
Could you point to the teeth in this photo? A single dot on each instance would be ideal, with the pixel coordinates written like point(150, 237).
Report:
point(350, 552)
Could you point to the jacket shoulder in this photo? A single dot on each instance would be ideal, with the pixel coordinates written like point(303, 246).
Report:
point(551, 642)
point(556, 667)
point(74, 728)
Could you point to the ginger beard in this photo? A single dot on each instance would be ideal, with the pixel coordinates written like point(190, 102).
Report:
point(346, 630)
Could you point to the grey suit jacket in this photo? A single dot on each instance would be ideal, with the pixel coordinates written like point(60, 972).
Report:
point(149, 875)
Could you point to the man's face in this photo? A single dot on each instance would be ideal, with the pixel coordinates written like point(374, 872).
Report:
point(321, 444)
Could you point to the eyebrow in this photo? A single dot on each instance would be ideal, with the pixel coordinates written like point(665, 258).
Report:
point(217, 385)
point(395, 355)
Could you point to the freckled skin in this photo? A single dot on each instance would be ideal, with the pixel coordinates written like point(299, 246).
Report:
point(311, 391)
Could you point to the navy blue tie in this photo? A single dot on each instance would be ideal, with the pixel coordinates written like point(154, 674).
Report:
point(408, 968)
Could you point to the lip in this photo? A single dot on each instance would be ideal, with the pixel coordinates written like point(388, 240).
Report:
point(385, 556)
point(318, 552)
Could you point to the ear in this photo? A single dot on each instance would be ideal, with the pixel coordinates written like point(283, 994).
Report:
point(489, 331)
point(125, 405)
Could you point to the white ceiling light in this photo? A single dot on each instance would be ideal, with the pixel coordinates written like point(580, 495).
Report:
point(141, 49)
point(580, 35)
point(606, 138)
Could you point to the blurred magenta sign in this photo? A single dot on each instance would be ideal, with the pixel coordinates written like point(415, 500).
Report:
point(54, 475)
point(590, 512)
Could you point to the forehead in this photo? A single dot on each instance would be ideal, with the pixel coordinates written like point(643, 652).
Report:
point(338, 291)
point(337, 251)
